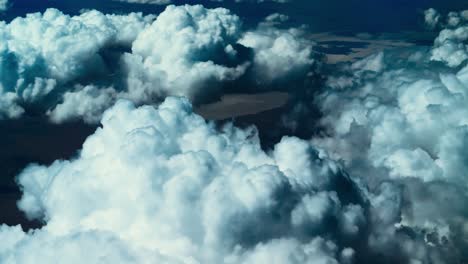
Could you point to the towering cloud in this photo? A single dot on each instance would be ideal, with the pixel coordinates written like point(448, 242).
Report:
point(183, 50)
point(195, 52)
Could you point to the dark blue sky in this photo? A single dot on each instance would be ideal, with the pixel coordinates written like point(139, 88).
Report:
point(330, 15)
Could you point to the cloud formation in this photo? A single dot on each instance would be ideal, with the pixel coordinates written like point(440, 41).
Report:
point(384, 181)
point(402, 119)
point(183, 50)
point(182, 192)
point(43, 55)
point(51, 60)
point(196, 52)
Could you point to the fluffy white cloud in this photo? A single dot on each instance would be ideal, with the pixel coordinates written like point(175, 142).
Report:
point(403, 121)
point(274, 49)
point(182, 191)
point(49, 59)
point(194, 51)
point(415, 117)
point(44, 54)
point(87, 103)
point(179, 191)
point(183, 50)
point(451, 46)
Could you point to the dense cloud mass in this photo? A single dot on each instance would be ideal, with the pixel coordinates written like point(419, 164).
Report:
point(197, 52)
point(384, 179)
point(401, 117)
point(43, 55)
point(181, 192)
point(182, 51)
point(52, 61)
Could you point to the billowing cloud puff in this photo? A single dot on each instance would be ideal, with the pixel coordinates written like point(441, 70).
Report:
point(274, 49)
point(451, 46)
point(179, 191)
point(183, 50)
point(43, 55)
point(87, 103)
point(403, 120)
point(193, 51)
point(51, 60)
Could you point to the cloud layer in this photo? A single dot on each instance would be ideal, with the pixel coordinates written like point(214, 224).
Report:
point(384, 180)
point(182, 192)
point(402, 119)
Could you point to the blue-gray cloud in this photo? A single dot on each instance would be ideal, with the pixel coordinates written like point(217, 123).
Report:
point(3, 5)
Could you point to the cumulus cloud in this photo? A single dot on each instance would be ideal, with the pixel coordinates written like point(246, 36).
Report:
point(194, 52)
point(183, 50)
point(87, 103)
point(273, 49)
point(43, 55)
point(402, 120)
point(387, 181)
point(451, 46)
point(180, 191)
point(51, 60)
